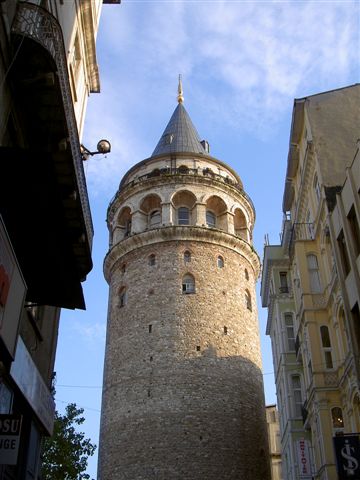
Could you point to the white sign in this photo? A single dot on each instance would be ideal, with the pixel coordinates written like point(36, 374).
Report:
point(10, 429)
point(303, 454)
point(27, 377)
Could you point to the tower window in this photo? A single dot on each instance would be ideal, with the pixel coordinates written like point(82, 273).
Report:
point(154, 218)
point(122, 297)
point(183, 216)
point(220, 262)
point(246, 274)
point(188, 284)
point(225, 330)
point(210, 219)
point(198, 348)
point(187, 256)
point(248, 300)
point(150, 328)
point(152, 260)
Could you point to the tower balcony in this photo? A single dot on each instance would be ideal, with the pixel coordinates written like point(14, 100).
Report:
point(190, 174)
point(44, 200)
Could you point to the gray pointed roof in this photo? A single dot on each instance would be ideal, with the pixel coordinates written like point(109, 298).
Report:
point(180, 135)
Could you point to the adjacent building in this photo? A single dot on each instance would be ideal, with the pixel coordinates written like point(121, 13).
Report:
point(310, 285)
point(48, 68)
point(183, 393)
point(272, 420)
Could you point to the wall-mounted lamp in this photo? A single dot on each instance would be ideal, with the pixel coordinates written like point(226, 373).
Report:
point(103, 147)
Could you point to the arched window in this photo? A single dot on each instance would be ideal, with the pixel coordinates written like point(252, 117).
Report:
point(337, 418)
point(248, 300)
point(123, 268)
point(246, 274)
point(152, 260)
point(183, 216)
point(187, 256)
point(122, 297)
point(314, 275)
point(220, 262)
point(290, 334)
point(154, 218)
point(326, 346)
point(210, 219)
point(188, 284)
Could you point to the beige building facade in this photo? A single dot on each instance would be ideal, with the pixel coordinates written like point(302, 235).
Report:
point(48, 68)
point(183, 394)
point(272, 420)
point(319, 256)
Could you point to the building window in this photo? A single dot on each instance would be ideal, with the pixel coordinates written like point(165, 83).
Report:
point(127, 228)
point(290, 333)
point(220, 262)
point(248, 300)
point(337, 418)
point(355, 231)
point(317, 188)
point(152, 260)
point(187, 256)
point(297, 396)
point(154, 218)
point(246, 274)
point(122, 297)
point(326, 346)
point(314, 275)
point(183, 216)
point(343, 253)
point(188, 284)
point(284, 288)
point(210, 219)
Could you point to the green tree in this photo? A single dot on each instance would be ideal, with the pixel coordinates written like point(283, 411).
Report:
point(65, 454)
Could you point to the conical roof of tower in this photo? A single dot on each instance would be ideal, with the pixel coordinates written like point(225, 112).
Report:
point(180, 135)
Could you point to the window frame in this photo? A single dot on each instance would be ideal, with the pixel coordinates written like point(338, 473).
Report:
point(183, 221)
point(188, 286)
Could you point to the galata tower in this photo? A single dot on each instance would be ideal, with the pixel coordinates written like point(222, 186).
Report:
point(183, 392)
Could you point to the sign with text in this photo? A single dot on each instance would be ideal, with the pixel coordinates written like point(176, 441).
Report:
point(10, 429)
point(303, 454)
point(12, 293)
point(28, 378)
point(347, 451)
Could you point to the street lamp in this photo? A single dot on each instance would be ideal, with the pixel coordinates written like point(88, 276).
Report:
point(103, 147)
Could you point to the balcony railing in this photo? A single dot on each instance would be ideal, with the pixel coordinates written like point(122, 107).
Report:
point(182, 171)
point(38, 24)
point(300, 232)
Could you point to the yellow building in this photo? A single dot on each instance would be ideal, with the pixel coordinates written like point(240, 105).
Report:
point(310, 284)
point(272, 421)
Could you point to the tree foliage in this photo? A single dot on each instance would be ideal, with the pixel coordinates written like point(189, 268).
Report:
point(65, 454)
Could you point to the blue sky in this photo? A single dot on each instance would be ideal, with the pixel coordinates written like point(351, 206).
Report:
point(243, 63)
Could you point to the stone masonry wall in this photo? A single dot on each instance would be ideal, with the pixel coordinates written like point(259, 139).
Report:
point(183, 393)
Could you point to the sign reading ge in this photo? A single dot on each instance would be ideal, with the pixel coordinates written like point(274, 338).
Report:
point(10, 429)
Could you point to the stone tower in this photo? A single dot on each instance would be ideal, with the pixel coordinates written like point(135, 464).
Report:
point(183, 392)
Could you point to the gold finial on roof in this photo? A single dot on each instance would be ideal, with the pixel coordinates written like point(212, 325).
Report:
point(180, 97)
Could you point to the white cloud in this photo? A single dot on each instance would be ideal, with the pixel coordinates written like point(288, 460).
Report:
point(93, 334)
point(245, 60)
